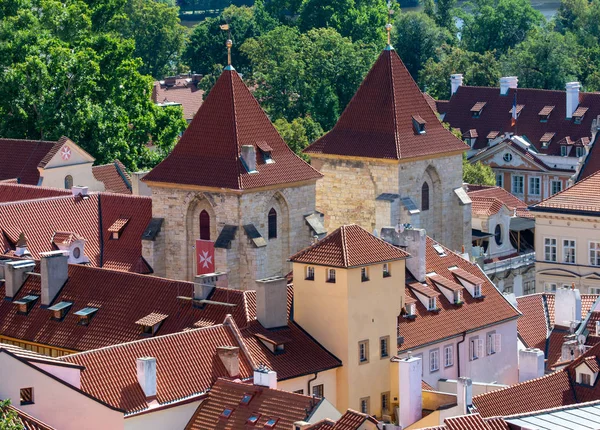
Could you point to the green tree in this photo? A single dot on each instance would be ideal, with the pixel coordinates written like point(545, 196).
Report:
point(299, 133)
point(416, 38)
point(497, 25)
point(477, 173)
point(477, 69)
point(8, 417)
point(429, 8)
point(209, 80)
point(445, 14)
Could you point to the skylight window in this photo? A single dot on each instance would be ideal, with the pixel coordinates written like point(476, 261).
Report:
point(60, 310)
point(439, 250)
point(253, 419)
point(226, 413)
point(26, 303)
point(271, 423)
point(86, 314)
point(246, 399)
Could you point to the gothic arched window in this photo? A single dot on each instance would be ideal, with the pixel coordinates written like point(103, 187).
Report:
point(68, 182)
point(272, 223)
point(204, 225)
point(425, 197)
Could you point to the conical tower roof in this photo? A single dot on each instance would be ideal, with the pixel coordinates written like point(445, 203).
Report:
point(383, 117)
point(208, 153)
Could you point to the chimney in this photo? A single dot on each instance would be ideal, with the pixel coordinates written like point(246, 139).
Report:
point(456, 81)
point(567, 306)
point(79, 190)
point(506, 83)
point(464, 395)
point(204, 284)
point(572, 98)
point(21, 248)
point(415, 239)
point(265, 377)
point(409, 388)
point(249, 157)
point(531, 364)
point(146, 375)
point(54, 271)
point(271, 302)
point(230, 357)
point(15, 276)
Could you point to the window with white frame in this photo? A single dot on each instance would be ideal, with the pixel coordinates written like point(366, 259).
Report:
point(579, 151)
point(585, 379)
point(475, 348)
point(595, 253)
point(549, 249)
point(550, 286)
point(556, 187)
point(431, 304)
point(434, 360)
point(534, 186)
point(594, 290)
point(518, 184)
point(568, 251)
point(493, 343)
point(386, 270)
point(331, 275)
point(563, 150)
point(364, 274)
point(528, 287)
point(363, 351)
point(500, 180)
point(448, 355)
point(476, 290)
point(310, 273)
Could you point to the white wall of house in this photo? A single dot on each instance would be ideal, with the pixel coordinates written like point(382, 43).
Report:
point(54, 402)
point(327, 378)
point(171, 418)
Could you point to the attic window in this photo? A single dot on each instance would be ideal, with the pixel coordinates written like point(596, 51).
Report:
point(519, 109)
point(477, 109)
point(563, 150)
point(432, 306)
point(439, 250)
point(409, 308)
point(60, 310)
point(273, 341)
point(419, 124)
point(246, 399)
point(226, 413)
point(266, 151)
point(578, 114)
point(86, 314)
point(457, 297)
point(545, 113)
point(116, 229)
point(253, 419)
point(26, 303)
point(151, 323)
point(546, 139)
point(492, 135)
point(271, 423)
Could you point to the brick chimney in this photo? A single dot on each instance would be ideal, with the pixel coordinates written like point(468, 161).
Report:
point(464, 395)
point(249, 157)
point(271, 302)
point(456, 80)
point(54, 271)
point(506, 83)
point(146, 375)
point(572, 98)
point(409, 389)
point(15, 275)
point(230, 357)
point(205, 284)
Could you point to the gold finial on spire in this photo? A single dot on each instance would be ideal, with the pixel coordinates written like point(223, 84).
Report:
point(388, 28)
point(229, 43)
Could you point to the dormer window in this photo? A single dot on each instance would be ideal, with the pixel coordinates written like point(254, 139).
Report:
point(331, 276)
point(471, 282)
point(587, 371)
point(470, 137)
point(265, 150)
point(579, 151)
point(86, 314)
point(410, 309)
point(477, 109)
point(432, 304)
point(457, 298)
point(364, 274)
point(544, 114)
point(310, 273)
point(477, 291)
point(546, 139)
point(116, 229)
point(151, 323)
point(579, 114)
point(419, 124)
point(492, 135)
point(26, 303)
point(60, 310)
point(273, 341)
point(519, 109)
point(563, 150)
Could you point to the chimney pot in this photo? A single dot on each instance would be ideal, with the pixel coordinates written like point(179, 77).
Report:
point(572, 97)
point(265, 377)
point(15, 275)
point(464, 394)
point(230, 357)
point(415, 240)
point(146, 375)
point(249, 157)
point(271, 302)
point(79, 190)
point(409, 388)
point(54, 272)
point(456, 80)
point(507, 82)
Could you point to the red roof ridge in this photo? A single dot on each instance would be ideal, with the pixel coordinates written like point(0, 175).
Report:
point(500, 390)
point(584, 180)
point(396, 137)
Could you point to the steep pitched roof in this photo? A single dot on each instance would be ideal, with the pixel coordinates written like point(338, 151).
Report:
point(511, 202)
point(208, 153)
point(378, 121)
point(583, 197)
point(283, 407)
point(451, 320)
point(353, 420)
point(349, 246)
point(533, 325)
point(184, 91)
point(485, 206)
point(114, 176)
point(21, 158)
point(13, 192)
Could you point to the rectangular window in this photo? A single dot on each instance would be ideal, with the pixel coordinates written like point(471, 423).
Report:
point(579, 151)
point(550, 286)
point(528, 287)
point(310, 273)
point(476, 290)
point(26, 396)
point(549, 249)
point(299, 391)
point(534, 186)
point(563, 150)
point(585, 379)
point(432, 304)
point(556, 187)
point(500, 180)
point(386, 270)
point(595, 253)
point(331, 275)
point(364, 274)
point(476, 348)
point(383, 346)
point(385, 402)
point(363, 351)
point(517, 184)
point(365, 406)
point(493, 343)
point(594, 290)
point(568, 251)
point(448, 355)
point(318, 390)
point(434, 360)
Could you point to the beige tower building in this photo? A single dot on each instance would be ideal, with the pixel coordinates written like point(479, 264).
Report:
point(340, 284)
point(234, 185)
point(389, 160)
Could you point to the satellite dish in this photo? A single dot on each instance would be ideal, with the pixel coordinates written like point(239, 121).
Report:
point(397, 228)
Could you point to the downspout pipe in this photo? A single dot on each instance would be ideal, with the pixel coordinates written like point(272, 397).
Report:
point(464, 335)
point(308, 384)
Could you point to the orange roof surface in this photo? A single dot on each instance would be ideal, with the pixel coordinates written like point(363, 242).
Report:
point(114, 177)
point(452, 320)
point(266, 405)
point(184, 91)
point(27, 421)
point(349, 246)
point(378, 121)
point(208, 153)
point(352, 420)
point(533, 325)
point(485, 206)
point(12, 192)
point(583, 197)
point(21, 158)
point(499, 193)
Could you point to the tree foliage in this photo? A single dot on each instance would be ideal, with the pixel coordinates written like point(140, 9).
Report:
point(8, 417)
point(299, 133)
point(477, 173)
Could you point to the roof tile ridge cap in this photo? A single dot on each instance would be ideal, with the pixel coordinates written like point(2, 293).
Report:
point(593, 175)
point(345, 262)
point(39, 199)
point(231, 324)
point(131, 342)
point(530, 381)
point(235, 129)
point(396, 137)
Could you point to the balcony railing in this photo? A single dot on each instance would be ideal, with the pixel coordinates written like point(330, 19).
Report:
point(509, 263)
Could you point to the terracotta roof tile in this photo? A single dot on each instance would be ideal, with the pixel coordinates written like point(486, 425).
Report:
point(492, 134)
point(266, 404)
point(28, 422)
point(114, 176)
point(592, 363)
point(349, 246)
point(423, 289)
point(546, 110)
point(352, 420)
point(10, 192)
point(65, 238)
point(533, 325)
point(118, 225)
point(485, 206)
point(184, 92)
point(547, 137)
point(152, 319)
point(446, 283)
point(466, 422)
point(554, 345)
point(468, 276)
point(208, 153)
point(426, 386)
point(580, 111)
point(470, 134)
point(377, 123)
point(325, 424)
point(499, 193)
point(21, 158)
point(477, 107)
point(581, 197)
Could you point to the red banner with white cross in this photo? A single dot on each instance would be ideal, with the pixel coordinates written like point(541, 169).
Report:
point(205, 256)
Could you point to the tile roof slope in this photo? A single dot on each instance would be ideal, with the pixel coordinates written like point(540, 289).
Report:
point(27, 421)
point(325, 424)
point(353, 420)
point(554, 345)
point(532, 326)
point(496, 116)
point(185, 92)
point(10, 192)
point(208, 153)
point(378, 123)
point(501, 194)
point(285, 407)
point(451, 320)
point(592, 162)
point(581, 197)
point(303, 355)
point(349, 246)
point(587, 302)
point(114, 176)
point(122, 299)
point(21, 158)
point(485, 206)
point(466, 422)
point(187, 364)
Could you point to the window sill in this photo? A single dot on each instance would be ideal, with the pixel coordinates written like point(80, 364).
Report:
point(410, 317)
point(363, 362)
point(312, 278)
point(382, 357)
point(434, 370)
point(364, 280)
point(27, 403)
point(330, 281)
point(387, 275)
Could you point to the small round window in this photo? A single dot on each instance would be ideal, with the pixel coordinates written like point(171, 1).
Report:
point(498, 235)
point(507, 157)
point(76, 252)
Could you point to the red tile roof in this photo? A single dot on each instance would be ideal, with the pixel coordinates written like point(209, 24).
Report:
point(208, 153)
point(452, 320)
point(378, 123)
point(325, 424)
point(184, 92)
point(496, 115)
point(187, 364)
point(266, 404)
point(353, 420)
point(27, 421)
point(485, 206)
point(21, 158)
point(10, 192)
point(349, 246)
point(499, 193)
point(426, 386)
point(583, 197)
point(467, 422)
point(114, 176)
point(533, 325)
